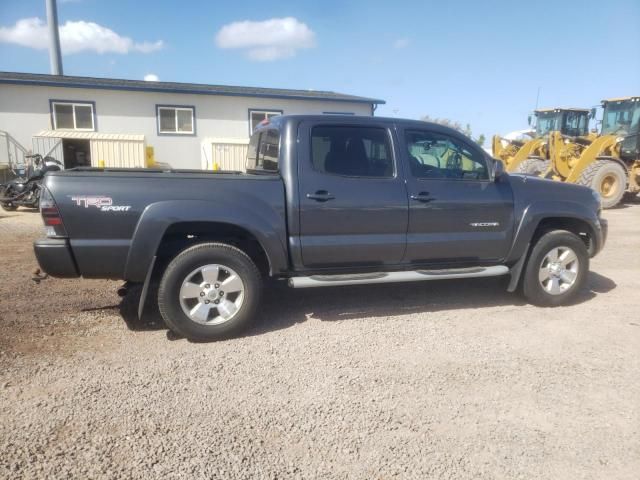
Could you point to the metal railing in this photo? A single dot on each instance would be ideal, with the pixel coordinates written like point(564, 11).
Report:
point(12, 157)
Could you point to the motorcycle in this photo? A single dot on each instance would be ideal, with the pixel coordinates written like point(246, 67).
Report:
point(25, 191)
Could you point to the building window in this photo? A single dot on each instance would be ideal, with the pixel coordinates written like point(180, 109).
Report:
point(257, 116)
point(73, 116)
point(176, 120)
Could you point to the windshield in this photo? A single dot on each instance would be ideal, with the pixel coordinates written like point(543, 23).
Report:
point(547, 122)
point(576, 123)
point(621, 118)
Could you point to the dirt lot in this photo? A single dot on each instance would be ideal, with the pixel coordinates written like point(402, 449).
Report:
point(428, 380)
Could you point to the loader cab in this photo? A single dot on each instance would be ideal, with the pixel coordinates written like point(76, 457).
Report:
point(621, 117)
point(572, 122)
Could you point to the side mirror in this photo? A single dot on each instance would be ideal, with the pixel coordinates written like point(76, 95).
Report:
point(592, 113)
point(529, 120)
point(498, 169)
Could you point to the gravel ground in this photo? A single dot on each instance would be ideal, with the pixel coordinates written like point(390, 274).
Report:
point(454, 379)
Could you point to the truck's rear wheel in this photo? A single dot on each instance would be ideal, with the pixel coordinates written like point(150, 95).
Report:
point(209, 291)
point(606, 177)
point(533, 166)
point(556, 270)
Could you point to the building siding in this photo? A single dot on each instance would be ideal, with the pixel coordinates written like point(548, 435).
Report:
point(25, 111)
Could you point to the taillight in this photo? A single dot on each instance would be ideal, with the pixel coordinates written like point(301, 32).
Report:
point(53, 225)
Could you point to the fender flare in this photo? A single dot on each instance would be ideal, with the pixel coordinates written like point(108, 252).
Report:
point(537, 212)
point(616, 160)
point(261, 222)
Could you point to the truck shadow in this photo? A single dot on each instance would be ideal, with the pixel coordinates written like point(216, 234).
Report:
point(151, 318)
point(284, 307)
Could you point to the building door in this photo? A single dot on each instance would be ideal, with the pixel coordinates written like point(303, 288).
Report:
point(228, 156)
point(48, 146)
point(77, 153)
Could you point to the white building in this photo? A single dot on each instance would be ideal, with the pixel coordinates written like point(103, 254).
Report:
point(111, 122)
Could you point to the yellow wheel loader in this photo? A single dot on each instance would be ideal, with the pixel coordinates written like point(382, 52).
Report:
point(531, 156)
point(609, 163)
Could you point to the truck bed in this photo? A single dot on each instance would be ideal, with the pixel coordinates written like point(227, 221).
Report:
point(103, 209)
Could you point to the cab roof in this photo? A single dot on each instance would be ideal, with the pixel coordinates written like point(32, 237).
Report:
point(280, 121)
point(621, 99)
point(560, 109)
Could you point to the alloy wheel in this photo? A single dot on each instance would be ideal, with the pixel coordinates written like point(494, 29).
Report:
point(212, 294)
point(558, 270)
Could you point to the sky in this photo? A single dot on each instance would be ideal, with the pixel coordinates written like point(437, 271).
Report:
point(480, 63)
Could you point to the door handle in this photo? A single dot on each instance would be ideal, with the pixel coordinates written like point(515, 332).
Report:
point(422, 197)
point(320, 196)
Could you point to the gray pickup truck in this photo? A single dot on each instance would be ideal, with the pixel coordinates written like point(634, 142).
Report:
point(325, 201)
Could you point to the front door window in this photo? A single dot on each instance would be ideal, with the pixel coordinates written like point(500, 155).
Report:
point(437, 156)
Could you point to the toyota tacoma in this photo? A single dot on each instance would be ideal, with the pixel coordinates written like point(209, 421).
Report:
point(325, 201)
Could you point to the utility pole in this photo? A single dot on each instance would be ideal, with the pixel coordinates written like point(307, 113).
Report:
point(55, 57)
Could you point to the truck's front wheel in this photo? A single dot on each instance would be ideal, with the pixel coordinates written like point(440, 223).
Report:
point(556, 270)
point(209, 291)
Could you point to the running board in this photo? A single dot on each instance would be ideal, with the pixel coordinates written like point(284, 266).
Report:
point(395, 277)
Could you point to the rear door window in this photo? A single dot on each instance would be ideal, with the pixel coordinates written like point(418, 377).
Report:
point(352, 151)
point(263, 152)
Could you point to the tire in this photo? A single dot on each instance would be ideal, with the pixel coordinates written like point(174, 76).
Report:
point(549, 284)
point(6, 206)
point(191, 295)
point(606, 177)
point(533, 166)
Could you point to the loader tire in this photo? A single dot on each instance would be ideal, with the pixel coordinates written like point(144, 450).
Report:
point(533, 166)
point(606, 177)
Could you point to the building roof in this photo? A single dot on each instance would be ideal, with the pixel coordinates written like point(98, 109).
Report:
point(175, 87)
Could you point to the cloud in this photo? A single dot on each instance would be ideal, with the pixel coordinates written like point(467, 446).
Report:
point(268, 40)
point(75, 37)
point(148, 47)
point(402, 42)
point(151, 77)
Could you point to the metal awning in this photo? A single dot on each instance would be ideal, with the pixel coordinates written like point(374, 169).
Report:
point(90, 135)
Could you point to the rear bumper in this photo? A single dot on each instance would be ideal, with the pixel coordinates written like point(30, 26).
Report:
point(55, 258)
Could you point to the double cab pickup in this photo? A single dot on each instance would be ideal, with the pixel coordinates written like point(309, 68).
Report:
point(325, 201)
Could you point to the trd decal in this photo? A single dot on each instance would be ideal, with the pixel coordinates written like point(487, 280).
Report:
point(97, 202)
point(104, 204)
